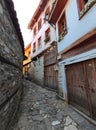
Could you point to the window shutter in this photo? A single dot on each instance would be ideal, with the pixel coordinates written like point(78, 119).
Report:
point(81, 4)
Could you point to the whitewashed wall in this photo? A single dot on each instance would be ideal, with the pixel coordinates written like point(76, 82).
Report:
point(38, 65)
point(38, 71)
point(77, 28)
point(41, 33)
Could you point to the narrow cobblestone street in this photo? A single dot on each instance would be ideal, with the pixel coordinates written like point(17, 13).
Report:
point(40, 109)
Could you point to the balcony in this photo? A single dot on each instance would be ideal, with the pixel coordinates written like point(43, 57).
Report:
point(57, 9)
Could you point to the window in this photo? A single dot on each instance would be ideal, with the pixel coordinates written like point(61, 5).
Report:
point(39, 42)
point(82, 3)
point(84, 6)
point(34, 31)
point(34, 47)
point(29, 53)
point(39, 24)
point(47, 35)
point(62, 27)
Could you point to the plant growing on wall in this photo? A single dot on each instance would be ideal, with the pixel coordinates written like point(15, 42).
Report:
point(47, 39)
point(61, 36)
point(87, 6)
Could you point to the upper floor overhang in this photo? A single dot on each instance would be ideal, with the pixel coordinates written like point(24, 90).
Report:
point(27, 47)
point(53, 44)
point(37, 13)
point(57, 9)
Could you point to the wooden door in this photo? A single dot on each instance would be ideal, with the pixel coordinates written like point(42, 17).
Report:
point(81, 82)
point(91, 78)
point(77, 92)
point(50, 77)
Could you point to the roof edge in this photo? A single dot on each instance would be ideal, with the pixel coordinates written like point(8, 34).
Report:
point(13, 15)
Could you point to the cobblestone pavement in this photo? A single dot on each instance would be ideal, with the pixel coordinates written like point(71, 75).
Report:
point(40, 109)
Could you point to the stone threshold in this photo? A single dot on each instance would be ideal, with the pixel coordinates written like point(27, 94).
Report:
point(84, 115)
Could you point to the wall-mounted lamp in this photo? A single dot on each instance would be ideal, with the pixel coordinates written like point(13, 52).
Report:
point(46, 18)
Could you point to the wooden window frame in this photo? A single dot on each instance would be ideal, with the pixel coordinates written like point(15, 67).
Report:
point(34, 47)
point(47, 35)
point(39, 43)
point(39, 24)
point(84, 6)
point(62, 32)
point(34, 31)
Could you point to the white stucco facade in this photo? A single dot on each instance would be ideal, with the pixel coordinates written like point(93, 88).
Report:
point(76, 28)
point(41, 33)
point(38, 63)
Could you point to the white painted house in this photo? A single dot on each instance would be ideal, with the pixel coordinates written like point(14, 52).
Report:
point(43, 39)
point(75, 22)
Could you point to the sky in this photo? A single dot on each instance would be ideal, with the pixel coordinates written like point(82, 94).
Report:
point(25, 10)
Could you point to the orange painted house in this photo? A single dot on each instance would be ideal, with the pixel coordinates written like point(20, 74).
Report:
point(27, 62)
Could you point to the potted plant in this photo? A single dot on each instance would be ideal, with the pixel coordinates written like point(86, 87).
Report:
point(47, 39)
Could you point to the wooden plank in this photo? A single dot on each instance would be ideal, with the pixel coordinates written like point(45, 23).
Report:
point(50, 57)
point(78, 58)
point(81, 82)
point(90, 35)
point(84, 47)
point(91, 77)
point(77, 87)
point(57, 9)
point(50, 77)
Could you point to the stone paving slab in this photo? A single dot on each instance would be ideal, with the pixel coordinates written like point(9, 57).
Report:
point(41, 110)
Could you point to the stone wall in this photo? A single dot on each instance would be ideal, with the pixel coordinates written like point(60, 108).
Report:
point(60, 80)
point(31, 71)
point(11, 57)
point(62, 90)
point(38, 71)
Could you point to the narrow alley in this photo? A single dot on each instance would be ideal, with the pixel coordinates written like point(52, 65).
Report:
point(59, 55)
point(41, 109)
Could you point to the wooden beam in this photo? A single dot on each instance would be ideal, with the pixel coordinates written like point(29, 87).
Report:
point(79, 41)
